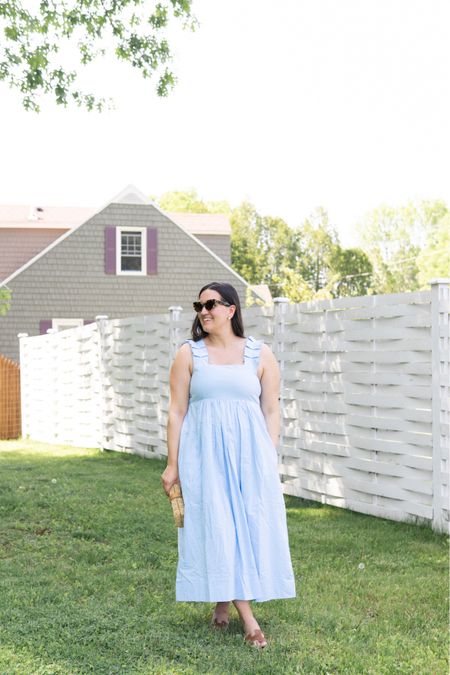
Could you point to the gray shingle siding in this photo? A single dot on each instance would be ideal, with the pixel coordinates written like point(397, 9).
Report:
point(219, 243)
point(69, 281)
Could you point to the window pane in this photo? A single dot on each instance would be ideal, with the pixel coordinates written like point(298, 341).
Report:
point(131, 264)
point(131, 251)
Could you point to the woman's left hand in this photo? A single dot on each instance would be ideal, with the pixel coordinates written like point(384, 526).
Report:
point(169, 477)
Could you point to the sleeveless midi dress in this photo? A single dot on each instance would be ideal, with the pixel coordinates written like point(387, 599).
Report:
point(234, 543)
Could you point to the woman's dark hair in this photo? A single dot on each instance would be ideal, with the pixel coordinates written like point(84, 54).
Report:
point(228, 293)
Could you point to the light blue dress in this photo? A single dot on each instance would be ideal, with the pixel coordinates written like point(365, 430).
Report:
point(234, 543)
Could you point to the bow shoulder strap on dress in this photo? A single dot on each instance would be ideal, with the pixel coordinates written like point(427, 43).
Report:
point(252, 352)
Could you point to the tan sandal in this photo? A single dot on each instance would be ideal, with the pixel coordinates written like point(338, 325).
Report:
point(256, 639)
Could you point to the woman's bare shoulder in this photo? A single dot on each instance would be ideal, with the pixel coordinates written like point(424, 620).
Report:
point(266, 353)
point(184, 349)
point(183, 357)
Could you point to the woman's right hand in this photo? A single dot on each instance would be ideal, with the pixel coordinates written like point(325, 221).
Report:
point(169, 477)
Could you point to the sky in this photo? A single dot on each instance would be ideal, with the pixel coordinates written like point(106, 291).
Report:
point(290, 104)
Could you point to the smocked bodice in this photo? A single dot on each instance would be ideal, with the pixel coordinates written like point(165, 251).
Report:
point(225, 382)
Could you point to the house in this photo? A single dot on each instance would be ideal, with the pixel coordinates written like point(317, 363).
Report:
point(127, 259)
point(25, 231)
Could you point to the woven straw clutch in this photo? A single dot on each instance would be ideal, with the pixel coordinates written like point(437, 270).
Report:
point(176, 499)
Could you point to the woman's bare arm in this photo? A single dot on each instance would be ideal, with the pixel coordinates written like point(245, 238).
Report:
point(270, 393)
point(180, 376)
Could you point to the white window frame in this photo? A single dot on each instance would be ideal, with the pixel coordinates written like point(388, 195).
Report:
point(67, 323)
point(134, 273)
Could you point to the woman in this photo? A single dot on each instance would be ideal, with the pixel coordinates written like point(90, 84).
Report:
point(222, 433)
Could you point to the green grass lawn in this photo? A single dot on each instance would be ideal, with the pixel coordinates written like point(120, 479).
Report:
point(88, 556)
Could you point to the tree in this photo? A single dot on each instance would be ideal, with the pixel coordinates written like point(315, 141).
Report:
point(5, 300)
point(316, 242)
point(182, 202)
point(303, 263)
point(190, 202)
point(34, 36)
point(292, 285)
point(395, 240)
point(387, 236)
point(351, 272)
point(275, 251)
point(433, 260)
point(245, 257)
point(260, 247)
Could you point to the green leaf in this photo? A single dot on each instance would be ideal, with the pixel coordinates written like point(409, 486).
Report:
point(11, 32)
point(43, 31)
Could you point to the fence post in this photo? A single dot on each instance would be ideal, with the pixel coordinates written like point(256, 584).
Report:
point(23, 388)
point(440, 307)
point(174, 330)
point(280, 306)
point(101, 322)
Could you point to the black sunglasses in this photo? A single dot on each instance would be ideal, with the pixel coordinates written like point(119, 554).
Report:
point(209, 305)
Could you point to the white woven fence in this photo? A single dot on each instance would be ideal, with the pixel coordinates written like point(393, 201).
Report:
point(365, 395)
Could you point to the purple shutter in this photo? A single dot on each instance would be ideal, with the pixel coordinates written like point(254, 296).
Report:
point(86, 321)
point(152, 250)
point(44, 325)
point(110, 250)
